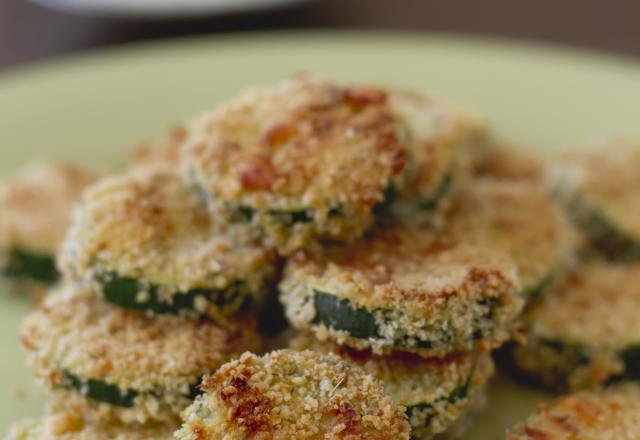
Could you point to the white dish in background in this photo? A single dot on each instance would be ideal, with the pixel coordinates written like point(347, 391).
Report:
point(162, 9)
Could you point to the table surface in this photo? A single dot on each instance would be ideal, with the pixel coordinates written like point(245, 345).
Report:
point(31, 33)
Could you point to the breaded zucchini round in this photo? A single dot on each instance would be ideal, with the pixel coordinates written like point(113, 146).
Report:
point(403, 287)
point(290, 394)
point(72, 426)
point(434, 132)
point(36, 206)
point(146, 241)
point(303, 159)
point(585, 331)
point(519, 218)
point(611, 414)
point(435, 392)
point(600, 187)
point(124, 363)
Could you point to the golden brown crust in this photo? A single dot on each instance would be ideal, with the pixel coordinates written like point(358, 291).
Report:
point(605, 177)
point(151, 226)
point(508, 162)
point(423, 283)
point(159, 357)
point(67, 425)
point(36, 205)
point(290, 394)
point(519, 218)
point(613, 414)
point(305, 145)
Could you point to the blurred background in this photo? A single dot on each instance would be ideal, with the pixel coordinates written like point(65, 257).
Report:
point(35, 30)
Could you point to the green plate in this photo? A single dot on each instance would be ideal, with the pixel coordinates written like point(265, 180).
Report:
point(92, 108)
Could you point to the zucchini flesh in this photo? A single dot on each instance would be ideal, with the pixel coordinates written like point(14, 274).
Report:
point(26, 264)
point(103, 392)
point(124, 292)
point(603, 235)
point(361, 323)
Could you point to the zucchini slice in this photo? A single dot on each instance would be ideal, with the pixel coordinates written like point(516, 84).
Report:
point(125, 292)
point(440, 192)
point(131, 365)
point(146, 241)
point(603, 234)
point(30, 265)
point(584, 331)
point(403, 287)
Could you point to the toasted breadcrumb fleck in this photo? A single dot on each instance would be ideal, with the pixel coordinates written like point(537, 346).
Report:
point(159, 357)
point(612, 414)
point(290, 394)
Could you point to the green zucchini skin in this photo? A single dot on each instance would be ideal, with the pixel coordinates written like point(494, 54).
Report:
point(103, 392)
point(604, 236)
point(360, 323)
point(443, 188)
point(536, 290)
point(457, 394)
point(123, 292)
point(30, 265)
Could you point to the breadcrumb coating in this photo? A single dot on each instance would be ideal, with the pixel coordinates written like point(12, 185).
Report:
point(428, 291)
point(579, 332)
point(612, 414)
point(519, 218)
point(151, 226)
point(36, 205)
point(73, 426)
point(603, 180)
point(156, 359)
point(435, 391)
point(293, 394)
point(326, 151)
point(507, 162)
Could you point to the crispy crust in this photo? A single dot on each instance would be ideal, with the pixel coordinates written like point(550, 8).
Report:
point(152, 227)
point(612, 414)
point(290, 394)
point(160, 358)
point(506, 162)
point(421, 285)
point(605, 178)
point(578, 332)
point(303, 145)
point(411, 381)
point(36, 205)
point(67, 425)
point(519, 218)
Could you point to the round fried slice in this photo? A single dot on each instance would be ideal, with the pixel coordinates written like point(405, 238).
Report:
point(612, 414)
point(600, 186)
point(36, 206)
point(146, 241)
point(585, 332)
point(435, 132)
point(404, 287)
point(435, 392)
point(519, 218)
point(72, 426)
point(293, 394)
point(138, 367)
point(298, 160)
